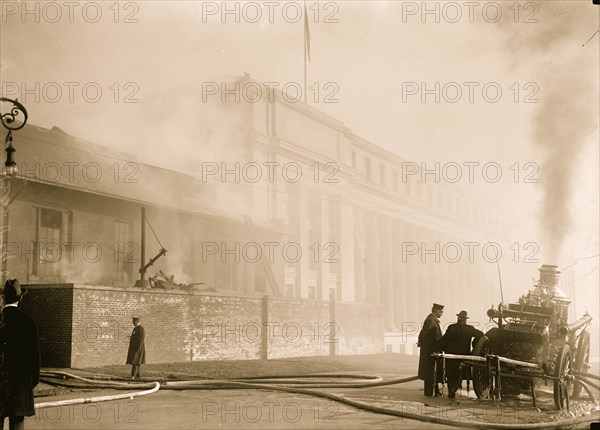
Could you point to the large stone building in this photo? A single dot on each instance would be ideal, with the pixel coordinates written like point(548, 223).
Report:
point(332, 215)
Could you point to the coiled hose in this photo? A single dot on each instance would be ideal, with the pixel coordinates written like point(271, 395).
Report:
point(293, 385)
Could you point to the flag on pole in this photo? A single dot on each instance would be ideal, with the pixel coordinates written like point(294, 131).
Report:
point(306, 33)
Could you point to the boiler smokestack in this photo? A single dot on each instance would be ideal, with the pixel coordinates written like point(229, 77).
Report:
point(549, 292)
point(549, 275)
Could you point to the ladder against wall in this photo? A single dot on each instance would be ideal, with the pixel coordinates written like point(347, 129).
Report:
point(265, 264)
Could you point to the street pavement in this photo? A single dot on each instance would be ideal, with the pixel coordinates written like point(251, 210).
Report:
point(257, 409)
point(240, 409)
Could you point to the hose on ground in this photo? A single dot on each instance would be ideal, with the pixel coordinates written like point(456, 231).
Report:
point(585, 382)
point(97, 399)
point(258, 383)
point(586, 375)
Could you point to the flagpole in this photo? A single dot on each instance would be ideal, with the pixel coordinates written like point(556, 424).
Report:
point(305, 53)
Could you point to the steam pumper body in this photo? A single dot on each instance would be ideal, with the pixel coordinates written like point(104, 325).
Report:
point(533, 343)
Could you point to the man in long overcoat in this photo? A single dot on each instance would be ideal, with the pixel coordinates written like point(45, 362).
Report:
point(136, 356)
point(429, 336)
point(19, 358)
point(457, 340)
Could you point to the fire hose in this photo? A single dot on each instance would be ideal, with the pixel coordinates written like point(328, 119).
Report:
point(293, 384)
point(477, 360)
point(84, 400)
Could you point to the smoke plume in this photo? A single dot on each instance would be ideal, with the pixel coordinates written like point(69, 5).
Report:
point(567, 112)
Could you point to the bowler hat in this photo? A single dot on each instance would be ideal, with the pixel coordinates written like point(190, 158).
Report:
point(12, 291)
point(135, 317)
point(463, 315)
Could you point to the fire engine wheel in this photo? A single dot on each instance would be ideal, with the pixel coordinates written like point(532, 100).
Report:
point(481, 380)
point(563, 371)
point(582, 360)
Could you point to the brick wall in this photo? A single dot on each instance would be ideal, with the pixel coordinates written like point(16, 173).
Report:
point(298, 327)
point(224, 327)
point(361, 328)
point(86, 326)
point(50, 306)
point(179, 326)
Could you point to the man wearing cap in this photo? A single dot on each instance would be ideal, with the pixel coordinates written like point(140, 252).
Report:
point(457, 340)
point(429, 336)
point(19, 358)
point(136, 356)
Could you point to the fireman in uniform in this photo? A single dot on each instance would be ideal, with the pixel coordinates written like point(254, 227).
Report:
point(136, 356)
point(429, 336)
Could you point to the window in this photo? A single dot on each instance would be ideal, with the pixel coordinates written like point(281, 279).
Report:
point(368, 168)
point(187, 246)
point(48, 243)
point(396, 181)
point(260, 279)
point(428, 193)
point(289, 290)
point(354, 159)
point(227, 274)
point(123, 248)
point(382, 174)
point(314, 226)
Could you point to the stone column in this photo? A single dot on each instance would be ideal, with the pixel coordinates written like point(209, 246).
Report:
point(399, 275)
point(303, 239)
point(372, 258)
point(411, 263)
point(359, 257)
point(346, 254)
point(386, 270)
point(430, 252)
point(320, 252)
point(423, 307)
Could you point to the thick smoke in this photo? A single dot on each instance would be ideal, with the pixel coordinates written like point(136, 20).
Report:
point(181, 130)
point(559, 129)
point(566, 72)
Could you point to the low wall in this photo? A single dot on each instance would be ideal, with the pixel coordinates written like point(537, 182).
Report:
point(361, 328)
point(86, 326)
point(51, 308)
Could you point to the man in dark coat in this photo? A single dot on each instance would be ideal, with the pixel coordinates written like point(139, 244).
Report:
point(136, 356)
point(429, 336)
point(19, 357)
point(457, 340)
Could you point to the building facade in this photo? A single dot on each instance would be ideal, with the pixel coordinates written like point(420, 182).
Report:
point(297, 206)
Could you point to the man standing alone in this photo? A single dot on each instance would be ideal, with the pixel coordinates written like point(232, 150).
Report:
point(457, 340)
point(429, 336)
point(136, 356)
point(19, 359)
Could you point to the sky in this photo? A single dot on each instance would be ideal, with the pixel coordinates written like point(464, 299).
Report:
point(150, 59)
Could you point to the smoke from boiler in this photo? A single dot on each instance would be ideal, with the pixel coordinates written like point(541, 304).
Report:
point(558, 131)
point(566, 72)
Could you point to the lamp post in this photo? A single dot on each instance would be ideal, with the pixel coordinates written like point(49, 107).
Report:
point(9, 121)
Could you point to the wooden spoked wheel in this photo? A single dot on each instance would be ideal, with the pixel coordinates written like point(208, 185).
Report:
point(563, 371)
point(481, 379)
point(582, 360)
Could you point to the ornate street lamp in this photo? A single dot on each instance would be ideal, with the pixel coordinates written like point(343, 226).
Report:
point(9, 122)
